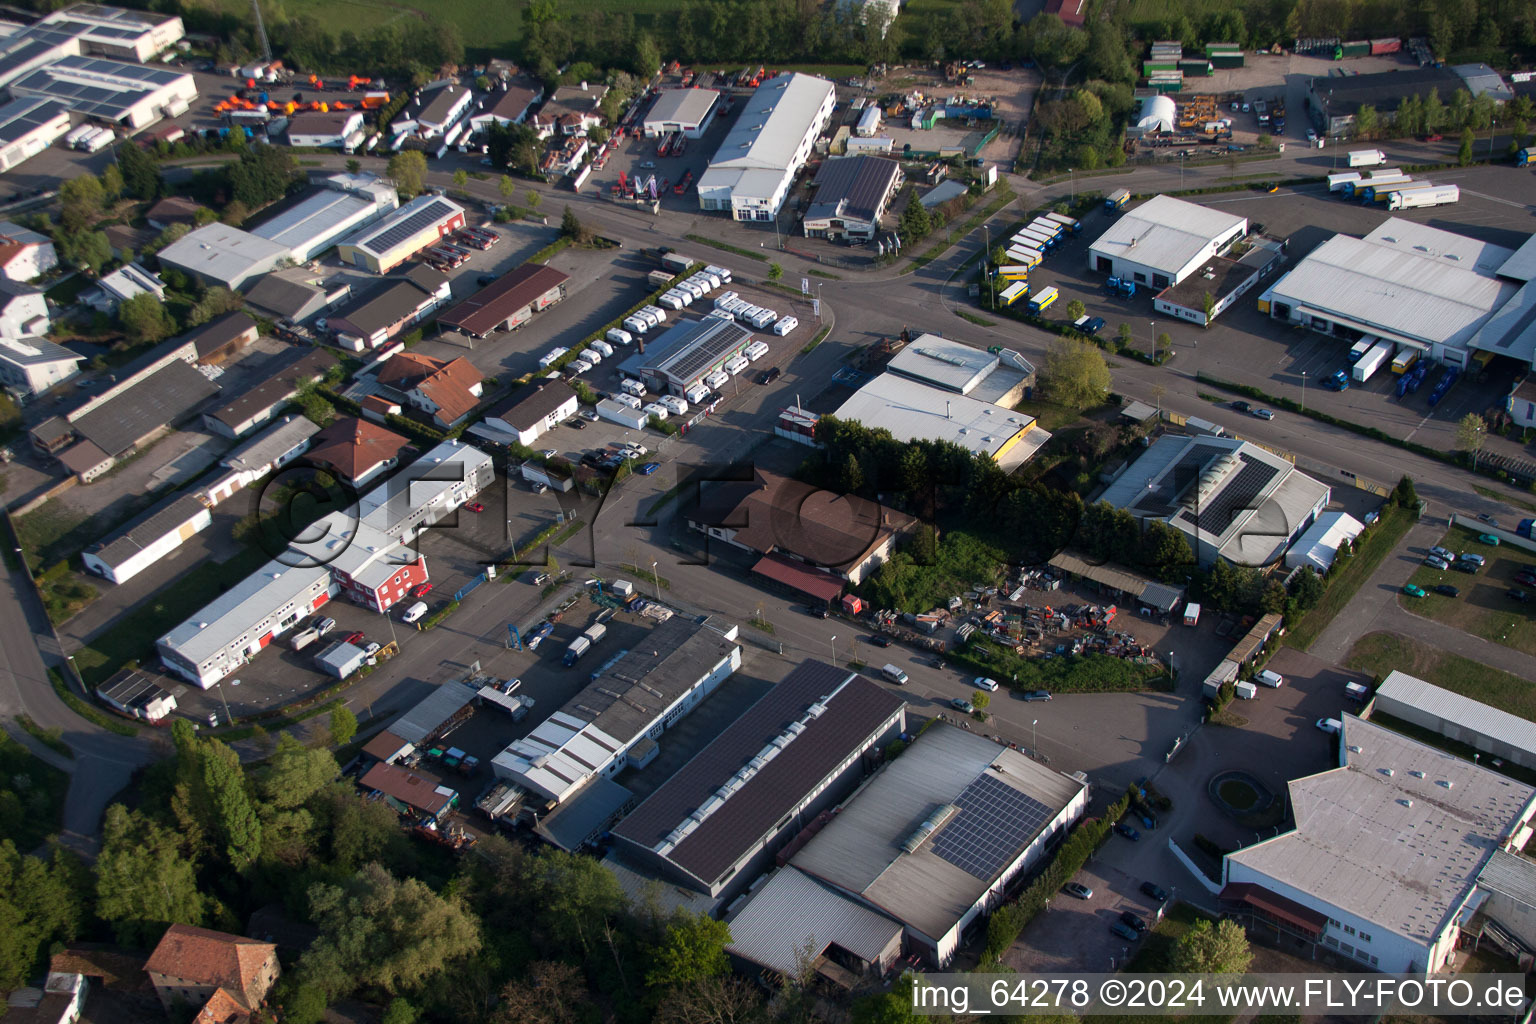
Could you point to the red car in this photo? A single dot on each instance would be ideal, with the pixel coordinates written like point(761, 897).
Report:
point(421, 590)
point(473, 506)
point(356, 639)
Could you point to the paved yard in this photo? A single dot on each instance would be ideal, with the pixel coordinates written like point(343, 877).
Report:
point(1073, 934)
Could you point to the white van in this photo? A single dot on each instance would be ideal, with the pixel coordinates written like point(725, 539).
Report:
point(785, 325)
point(1271, 679)
point(619, 336)
point(894, 674)
point(414, 612)
point(735, 366)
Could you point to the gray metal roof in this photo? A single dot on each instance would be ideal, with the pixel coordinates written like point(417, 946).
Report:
point(300, 367)
point(688, 349)
point(20, 118)
point(35, 351)
point(944, 363)
point(794, 911)
point(910, 409)
point(270, 444)
point(222, 253)
point(852, 186)
point(316, 221)
point(575, 820)
point(167, 517)
point(861, 850)
point(1165, 233)
point(162, 398)
point(1397, 836)
point(1512, 876)
point(404, 223)
point(526, 407)
point(429, 715)
point(682, 106)
point(276, 294)
point(770, 128)
point(1464, 712)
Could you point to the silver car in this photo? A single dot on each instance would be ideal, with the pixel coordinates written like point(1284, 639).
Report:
point(1436, 563)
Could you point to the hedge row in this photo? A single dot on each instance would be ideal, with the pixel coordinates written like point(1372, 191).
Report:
point(1009, 920)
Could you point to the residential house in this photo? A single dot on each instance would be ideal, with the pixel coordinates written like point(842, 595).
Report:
point(446, 390)
point(33, 366)
point(226, 976)
point(508, 104)
point(528, 413)
point(23, 311)
point(357, 450)
point(173, 210)
point(571, 110)
point(121, 285)
point(25, 254)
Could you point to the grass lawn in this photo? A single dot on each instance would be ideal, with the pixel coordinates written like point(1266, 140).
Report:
point(53, 531)
point(1482, 609)
point(1158, 943)
point(1049, 416)
point(66, 291)
point(133, 637)
point(1380, 653)
point(31, 795)
point(1378, 542)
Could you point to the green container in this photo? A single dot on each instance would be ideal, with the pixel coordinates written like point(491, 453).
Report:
point(1196, 68)
point(1214, 48)
point(1362, 48)
point(1231, 60)
point(1149, 66)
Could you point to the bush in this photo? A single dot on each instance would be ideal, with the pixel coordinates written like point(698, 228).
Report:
point(1207, 846)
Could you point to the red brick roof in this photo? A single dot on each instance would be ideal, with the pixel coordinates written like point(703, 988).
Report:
point(352, 446)
point(446, 383)
point(222, 1008)
point(207, 957)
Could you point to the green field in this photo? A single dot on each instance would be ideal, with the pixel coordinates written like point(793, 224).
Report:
point(1482, 609)
point(1380, 653)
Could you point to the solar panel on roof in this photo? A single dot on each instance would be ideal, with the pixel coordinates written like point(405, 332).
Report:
point(408, 226)
point(704, 349)
point(995, 822)
point(1237, 496)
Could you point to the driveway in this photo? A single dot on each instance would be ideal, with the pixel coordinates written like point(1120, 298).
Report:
point(1073, 934)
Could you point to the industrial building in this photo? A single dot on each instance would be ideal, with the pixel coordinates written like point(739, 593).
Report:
point(272, 449)
point(363, 552)
point(410, 791)
point(1322, 541)
point(1163, 241)
point(913, 411)
point(1458, 718)
point(528, 413)
point(129, 96)
point(843, 941)
point(217, 254)
point(342, 205)
point(805, 744)
point(772, 138)
point(1443, 294)
point(1382, 867)
point(842, 536)
point(222, 337)
point(508, 302)
point(935, 839)
point(1002, 378)
point(627, 703)
point(1229, 498)
point(115, 31)
point(259, 404)
point(27, 127)
point(1333, 100)
point(684, 354)
point(118, 425)
point(402, 234)
point(30, 366)
point(1223, 280)
point(852, 195)
point(397, 305)
point(148, 538)
point(325, 129)
point(283, 298)
point(689, 111)
point(25, 254)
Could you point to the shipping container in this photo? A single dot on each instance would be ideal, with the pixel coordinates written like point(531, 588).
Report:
point(1225, 61)
point(1357, 48)
point(1435, 195)
point(1195, 68)
point(1013, 272)
point(1380, 46)
point(1367, 158)
point(1406, 356)
point(1072, 224)
point(869, 122)
point(1025, 256)
point(1117, 200)
point(1379, 193)
point(1372, 361)
point(1211, 48)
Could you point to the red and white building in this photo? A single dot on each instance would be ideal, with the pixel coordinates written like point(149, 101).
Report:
point(364, 553)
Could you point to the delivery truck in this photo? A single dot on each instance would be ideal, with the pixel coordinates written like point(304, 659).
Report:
point(1437, 195)
point(1117, 200)
point(1366, 158)
point(1372, 361)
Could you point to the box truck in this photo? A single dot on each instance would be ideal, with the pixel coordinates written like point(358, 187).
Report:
point(1117, 200)
point(1366, 158)
point(1338, 182)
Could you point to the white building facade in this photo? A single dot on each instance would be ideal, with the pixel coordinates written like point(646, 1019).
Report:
point(774, 135)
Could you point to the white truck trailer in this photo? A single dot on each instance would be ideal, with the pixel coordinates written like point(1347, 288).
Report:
point(1366, 158)
point(1379, 355)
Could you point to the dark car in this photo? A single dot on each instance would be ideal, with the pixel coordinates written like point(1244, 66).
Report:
point(880, 641)
point(577, 424)
point(485, 279)
point(1470, 568)
point(1034, 695)
point(1242, 406)
point(1526, 578)
point(1125, 931)
point(1134, 920)
point(769, 375)
point(1094, 326)
point(1517, 595)
point(818, 611)
point(1447, 590)
point(1128, 832)
point(1154, 891)
point(589, 459)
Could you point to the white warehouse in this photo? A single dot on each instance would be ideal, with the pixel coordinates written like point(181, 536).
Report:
point(130, 96)
point(752, 170)
point(1163, 241)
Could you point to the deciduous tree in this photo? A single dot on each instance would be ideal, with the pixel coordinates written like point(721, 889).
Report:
point(551, 993)
point(1075, 374)
point(408, 170)
point(694, 949)
point(294, 773)
point(1208, 949)
point(143, 883)
point(1471, 433)
point(141, 174)
point(144, 319)
point(343, 725)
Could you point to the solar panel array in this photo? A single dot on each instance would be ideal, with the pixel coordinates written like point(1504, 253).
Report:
point(91, 85)
point(995, 822)
point(1238, 495)
point(709, 346)
point(1161, 501)
point(405, 227)
point(23, 116)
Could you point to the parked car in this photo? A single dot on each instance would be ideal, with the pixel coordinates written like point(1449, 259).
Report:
point(1414, 591)
point(1515, 594)
point(356, 639)
point(1094, 326)
point(819, 611)
point(588, 415)
point(1264, 414)
point(880, 641)
point(1242, 406)
point(1447, 590)
point(1462, 565)
point(1034, 695)
point(1078, 889)
point(1477, 560)
point(1154, 891)
point(1526, 578)
point(1489, 539)
point(474, 506)
point(962, 705)
point(324, 626)
point(1436, 563)
point(1133, 920)
point(1331, 726)
point(373, 648)
point(769, 375)
point(1443, 553)
point(1484, 517)
point(1125, 931)
point(648, 468)
point(983, 683)
point(1128, 832)
point(421, 590)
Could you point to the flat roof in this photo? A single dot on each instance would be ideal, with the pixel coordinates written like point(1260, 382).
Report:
point(688, 348)
point(1381, 838)
point(1245, 500)
point(1469, 714)
point(221, 252)
point(275, 389)
point(1320, 544)
point(106, 89)
point(943, 363)
point(404, 224)
point(164, 518)
point(269, 445)
point(20, 118)
point(502, 298)
point(682, 106)
point(276, 294)
point(161, 398)
point(626, 700)
point(429, 714)
point(772, 124)
point(793, 911)
point(318, 217)
point(132, 688)
point(1165, 233)
point(855, 187)
point(1005, 801)
point(911, 410)
point(1384, 90)
point(719, 805)
point(219, 622)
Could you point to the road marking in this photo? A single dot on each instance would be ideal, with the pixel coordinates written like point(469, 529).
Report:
point(1496, 199)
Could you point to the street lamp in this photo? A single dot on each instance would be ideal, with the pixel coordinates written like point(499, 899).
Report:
point(1173, 668)
point(1073, 173)
point(1303, 390)
point(656, 580)
point(833, 643)
point(227, 716)
point(1032, 733)
point(1153, 325)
